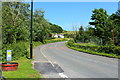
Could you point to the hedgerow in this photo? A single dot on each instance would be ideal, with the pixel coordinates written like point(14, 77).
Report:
point(95, 48)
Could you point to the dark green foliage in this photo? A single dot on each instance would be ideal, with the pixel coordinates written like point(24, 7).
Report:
point(115, 18)
point(102, 29)
point(70, 42)
point(18, 50)
point(40, 26)
point(84, 36)
point(106, 27)
point(101, 49)
point(15, 21)
point(55, 28)
point(69, 35)
point(16, 28)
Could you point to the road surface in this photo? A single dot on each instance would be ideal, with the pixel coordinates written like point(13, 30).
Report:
point(55, 60)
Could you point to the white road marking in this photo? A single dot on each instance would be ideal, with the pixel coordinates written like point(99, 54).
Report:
point(51, 63)
point(46, 56)
point(62, 75)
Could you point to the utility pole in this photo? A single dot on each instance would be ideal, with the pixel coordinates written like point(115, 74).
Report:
point(31, 51)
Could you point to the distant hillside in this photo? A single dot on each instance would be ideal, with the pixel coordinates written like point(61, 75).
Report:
point(69, 32)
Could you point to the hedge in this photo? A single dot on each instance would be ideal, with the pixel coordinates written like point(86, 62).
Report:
point(56, 40)
point(100, 49)
point(21, 49)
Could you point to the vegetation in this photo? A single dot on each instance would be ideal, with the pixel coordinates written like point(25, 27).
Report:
point(102, 37)
point(24, 70)
point(109, 51)
point(16, 26)
point(20, 51)
point(103, 33)
point(104, 29)
point(16, 23)
point(56, 40)
point(55, 28)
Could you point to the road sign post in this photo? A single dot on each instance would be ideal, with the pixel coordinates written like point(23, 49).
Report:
point(9, 55)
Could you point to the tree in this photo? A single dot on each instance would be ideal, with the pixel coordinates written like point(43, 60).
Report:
point(40, 27)
point(55, 28)
point(14, 19)
point(81, 30)
point(82, 36)
point(102, 24)
point(115, 18)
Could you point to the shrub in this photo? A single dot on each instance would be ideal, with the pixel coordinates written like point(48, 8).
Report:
point(18, 50)
point(116, 50)
point(109, 49)
point(56, 40)
point(70, 43)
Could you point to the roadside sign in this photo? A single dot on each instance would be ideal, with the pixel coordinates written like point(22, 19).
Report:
point(9, 55)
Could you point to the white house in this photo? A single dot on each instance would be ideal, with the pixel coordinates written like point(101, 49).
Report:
point(61, 35)
point(58, 35)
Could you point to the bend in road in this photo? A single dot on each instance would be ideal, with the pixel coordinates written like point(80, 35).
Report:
point(76, 64)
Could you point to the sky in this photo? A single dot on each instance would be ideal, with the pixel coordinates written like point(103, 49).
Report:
point(69, 14)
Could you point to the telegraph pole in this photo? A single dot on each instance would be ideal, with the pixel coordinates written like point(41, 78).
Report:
point(31, 51)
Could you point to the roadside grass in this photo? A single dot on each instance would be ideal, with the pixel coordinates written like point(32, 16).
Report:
point(24, 70)
point(93, 52)
point(85, 44)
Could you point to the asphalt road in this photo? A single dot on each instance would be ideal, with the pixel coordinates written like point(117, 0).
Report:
point(55, 60)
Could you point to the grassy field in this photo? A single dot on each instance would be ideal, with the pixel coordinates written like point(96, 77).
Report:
point(24, 70)
point(70, 32)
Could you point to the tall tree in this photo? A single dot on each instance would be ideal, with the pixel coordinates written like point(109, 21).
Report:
point(14, 19)
point(100, 21)
point(40, 27)
point(115, 18)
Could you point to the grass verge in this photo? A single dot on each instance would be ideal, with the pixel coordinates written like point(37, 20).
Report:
point(24, 70)
point(93, 52)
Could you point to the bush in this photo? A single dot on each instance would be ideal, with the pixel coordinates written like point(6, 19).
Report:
point(110, 49)
point(70, 42)
point(116, 50)
point(56, 40)
point(18, 50)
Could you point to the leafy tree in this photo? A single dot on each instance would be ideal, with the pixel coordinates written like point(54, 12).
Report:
point(55, 28)
point(115, 18)
point(15, 15)
point(82, 36)
point(102, 24)
point(40, 27)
